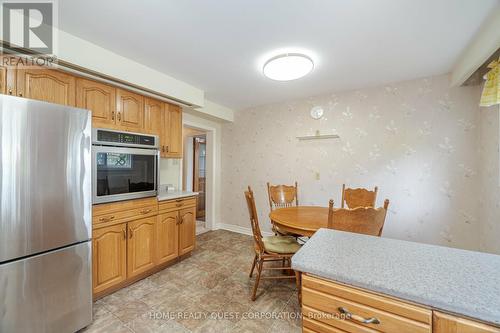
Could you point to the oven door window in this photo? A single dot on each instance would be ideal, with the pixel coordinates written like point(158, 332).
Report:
point(120, 173)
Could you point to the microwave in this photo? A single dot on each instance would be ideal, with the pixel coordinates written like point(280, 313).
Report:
point(124, 165)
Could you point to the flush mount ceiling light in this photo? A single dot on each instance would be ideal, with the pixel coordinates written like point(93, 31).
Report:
point(288, 66)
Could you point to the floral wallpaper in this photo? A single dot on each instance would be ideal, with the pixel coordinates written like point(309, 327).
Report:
point(489, 205)
point(418, 141)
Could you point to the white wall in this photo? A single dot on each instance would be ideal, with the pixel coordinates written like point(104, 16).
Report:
point(85, 54)
point(490, 182)
point(417, 140)
point(187, 162)
point(481, 47)
point(170, 172)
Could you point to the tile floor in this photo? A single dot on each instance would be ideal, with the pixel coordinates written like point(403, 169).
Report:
point(208, 292)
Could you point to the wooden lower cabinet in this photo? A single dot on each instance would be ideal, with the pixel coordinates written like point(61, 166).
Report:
point(141, 246)
point(187, 230)
point(134, 238)
point(445, 323)
point(329, 306)
point(167, 237)
point(109, 256)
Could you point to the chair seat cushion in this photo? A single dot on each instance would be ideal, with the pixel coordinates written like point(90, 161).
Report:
point(282, 232)
point(280, 244)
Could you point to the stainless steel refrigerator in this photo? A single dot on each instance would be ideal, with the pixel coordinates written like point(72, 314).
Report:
point(45, 217)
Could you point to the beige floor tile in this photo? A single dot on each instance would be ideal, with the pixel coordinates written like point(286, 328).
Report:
point(215, 326)
point(253, 326)
point(106, 323)
point(128, 311)
point(211, 289)
point(284, 326)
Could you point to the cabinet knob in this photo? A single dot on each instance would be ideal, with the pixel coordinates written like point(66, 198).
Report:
point(10, 91)
point(112, 115)
point(166, 148)
point(20, 94)
point(119, 116)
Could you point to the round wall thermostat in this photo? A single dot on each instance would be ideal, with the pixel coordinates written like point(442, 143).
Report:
point(317, 112)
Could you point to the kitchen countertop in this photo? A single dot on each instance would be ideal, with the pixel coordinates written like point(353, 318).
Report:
point(463, 282)
point(164, 195)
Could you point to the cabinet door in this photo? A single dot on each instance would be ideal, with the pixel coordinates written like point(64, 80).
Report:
point(109, 256)
point(444, 323)
point(173, 134)
point(100, 99)
point(187, 230)
point(167, 247)
point(3, 80)
point(141, 246)
point(153, 110)
point(130, 110)
point(8, 74)
point(46, 85)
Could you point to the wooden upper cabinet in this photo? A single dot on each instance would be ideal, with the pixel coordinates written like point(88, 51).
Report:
point(153, 110)
point(187, 230)
point(444, 323)
point(3, 80)
point(109, 256)
point(129, 110)
point(100, 99)
point(141, 246)
point(8, 75)
point(167, 239)
point(46, 85)
point(172, 132)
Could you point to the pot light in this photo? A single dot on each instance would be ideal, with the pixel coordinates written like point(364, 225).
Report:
point(288, 66)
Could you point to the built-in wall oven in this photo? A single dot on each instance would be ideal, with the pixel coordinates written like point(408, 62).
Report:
point(125, 165)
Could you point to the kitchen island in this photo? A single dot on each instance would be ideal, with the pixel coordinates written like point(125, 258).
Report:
point(425, 285)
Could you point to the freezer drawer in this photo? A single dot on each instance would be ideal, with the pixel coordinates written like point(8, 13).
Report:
point(50, 292)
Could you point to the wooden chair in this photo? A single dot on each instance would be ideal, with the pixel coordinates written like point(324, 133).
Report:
point(281, 196)
point(361, 220)
point(269, 249)
point(358, 197)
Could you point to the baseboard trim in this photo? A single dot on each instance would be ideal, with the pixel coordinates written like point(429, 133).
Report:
point(239, 229)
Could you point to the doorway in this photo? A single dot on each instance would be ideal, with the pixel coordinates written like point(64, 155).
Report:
point(195, 171)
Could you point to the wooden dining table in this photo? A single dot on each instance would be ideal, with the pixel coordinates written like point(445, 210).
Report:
point(300, 220)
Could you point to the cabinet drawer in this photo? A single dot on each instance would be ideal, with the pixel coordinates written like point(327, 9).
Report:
point(393, 316)
point(124, 211)
point(177, 204)
point(321, 321)
point(313, 326)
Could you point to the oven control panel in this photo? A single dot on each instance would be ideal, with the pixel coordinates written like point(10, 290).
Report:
point(109, 137)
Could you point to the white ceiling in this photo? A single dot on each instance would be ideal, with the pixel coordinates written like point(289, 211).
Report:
point(218, 45)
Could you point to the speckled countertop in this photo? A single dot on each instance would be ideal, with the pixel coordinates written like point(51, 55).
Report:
point(164, 195)
point(452, 280)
